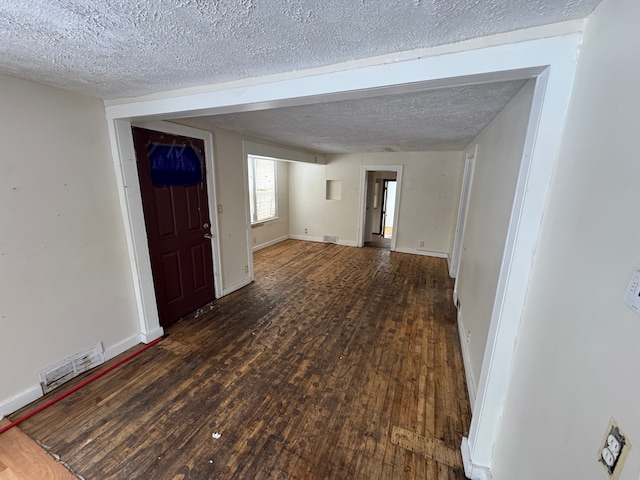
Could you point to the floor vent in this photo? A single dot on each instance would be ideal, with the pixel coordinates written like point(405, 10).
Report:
point(330, 239)
point(55, 375)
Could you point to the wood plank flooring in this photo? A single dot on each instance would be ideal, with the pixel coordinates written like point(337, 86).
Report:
point(336, 363)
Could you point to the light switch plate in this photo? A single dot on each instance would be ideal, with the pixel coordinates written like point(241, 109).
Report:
point(632, 297)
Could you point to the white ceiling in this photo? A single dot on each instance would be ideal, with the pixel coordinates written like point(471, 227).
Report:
point(433, 120)
point(124, 48)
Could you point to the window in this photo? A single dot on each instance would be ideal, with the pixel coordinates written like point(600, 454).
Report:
point(263, 197)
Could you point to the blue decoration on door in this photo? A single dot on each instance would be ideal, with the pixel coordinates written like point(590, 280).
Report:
point(174, 164)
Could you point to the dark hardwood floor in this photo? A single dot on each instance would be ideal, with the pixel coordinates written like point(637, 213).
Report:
point(336, 363)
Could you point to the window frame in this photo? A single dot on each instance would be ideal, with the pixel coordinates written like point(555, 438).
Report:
point(251, 183)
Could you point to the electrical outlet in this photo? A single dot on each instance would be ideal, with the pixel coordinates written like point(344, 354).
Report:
point(219, 208)
point(613, 452)
point(422, 243)
point(246, 269)
point(306, 231)
point(255, 240)
point(468, 339)
point(632, 297)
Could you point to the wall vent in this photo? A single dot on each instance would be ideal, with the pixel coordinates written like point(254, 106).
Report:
point(55, 375)
point(330, 239)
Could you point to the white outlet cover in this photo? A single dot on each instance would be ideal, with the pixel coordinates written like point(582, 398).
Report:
point(632, 297)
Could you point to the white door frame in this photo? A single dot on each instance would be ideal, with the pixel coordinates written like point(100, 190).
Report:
point(465, 191)
point(122, 140)
point(548, 54)
point(362, 216)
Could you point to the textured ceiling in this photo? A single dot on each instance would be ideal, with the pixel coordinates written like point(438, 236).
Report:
point(123, 48)
point(434, 120)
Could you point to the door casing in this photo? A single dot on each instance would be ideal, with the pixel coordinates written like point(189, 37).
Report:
point(150, 328)
point(184, 236)
point(365, 169)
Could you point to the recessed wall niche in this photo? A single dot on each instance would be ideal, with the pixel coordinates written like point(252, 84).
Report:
point(334, 189)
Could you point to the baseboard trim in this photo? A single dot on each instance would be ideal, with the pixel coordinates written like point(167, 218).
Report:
point(471, 471)
point(33, 393)
point(426, 253)
point(18, 401)
point(236, 286)
point(466, 360)
point(123, 346)
point(270, 242)
point(306, 238)
point(348, 243)
point(146, 337)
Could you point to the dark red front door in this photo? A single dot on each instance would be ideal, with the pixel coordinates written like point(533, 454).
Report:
point(176, 214)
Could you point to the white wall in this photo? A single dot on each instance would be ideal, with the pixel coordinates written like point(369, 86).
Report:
point(500, 147)
point(577, 358)
point(428, 203)
point(231, 190)
point(271, 232)
point(306, 200)
point(65, 281)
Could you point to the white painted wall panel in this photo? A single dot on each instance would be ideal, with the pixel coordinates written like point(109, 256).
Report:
point(65, 281)
point(428, 204)
point(577, 357)
point(307, 192)
point(500, 147)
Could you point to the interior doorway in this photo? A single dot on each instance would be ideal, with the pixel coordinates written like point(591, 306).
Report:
point(380, 200)
point(387, 212)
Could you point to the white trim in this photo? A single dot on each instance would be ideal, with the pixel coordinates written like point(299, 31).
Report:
point(131, 207)
point(466, 360)
point(307, 238)
point(270, 242)
point(236, 286)
point(347, 243)
point(472, 471)
point(279, 153)
point(454, 69)
point(544, 133)
point(426, 253)
point(12, 404)
point(123, 345)
point(33, 393)
point(123, 153)
point(152, 335)
point(247, 212)
point(362, 210)
point(463, 205)
point(516, 36)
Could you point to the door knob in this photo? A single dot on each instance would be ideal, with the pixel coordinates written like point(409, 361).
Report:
point(208, 235)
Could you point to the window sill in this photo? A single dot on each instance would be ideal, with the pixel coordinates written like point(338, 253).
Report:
point(264, 222)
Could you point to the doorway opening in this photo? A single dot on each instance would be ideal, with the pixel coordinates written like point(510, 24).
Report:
point(380, 201)
point(387, 212)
